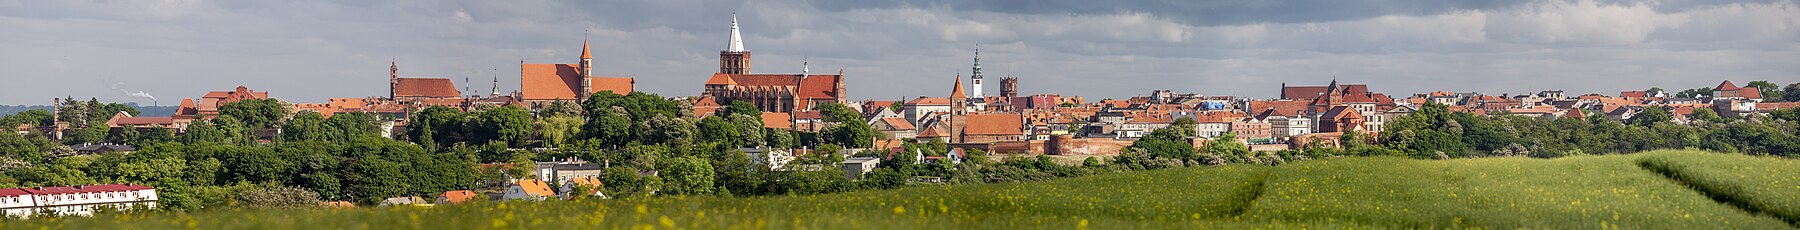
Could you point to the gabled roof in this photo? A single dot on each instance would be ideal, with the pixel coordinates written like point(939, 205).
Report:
point(535, 187)
point(458, 196)
point(898, 123)
point(813, 86)
point(995, 124)
point(929, 101)
point(776, 120)
point(425, 87)
point(1341, 112)
point(562, 81)
point(1726, 86)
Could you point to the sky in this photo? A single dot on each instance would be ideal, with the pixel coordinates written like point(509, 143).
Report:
point(307, 51)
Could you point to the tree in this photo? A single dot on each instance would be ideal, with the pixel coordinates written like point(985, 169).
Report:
point(35, 117)
point(1653, 91)
point(561, 109)
point(305, 126)
point(778, 138)
point(663, 129)
point(686, 176)
point(1651, 115)
point(558, 130)
point(1706, 114)
point(275, 196)
point(1186, 126)
point(1768, 89)
point(1695, 93)
point(1166, 142)
point(256, 113)
point(507, 123)
point(349, 126)
point(741, 107)
point(611, 126)
point(625, 181)
point(436, 124)
point(1790, 93)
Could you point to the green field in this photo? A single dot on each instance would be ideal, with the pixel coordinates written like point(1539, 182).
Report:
point(1656, 190)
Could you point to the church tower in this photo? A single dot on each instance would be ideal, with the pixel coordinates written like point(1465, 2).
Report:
point(958, 111)
point(976, 77)
point(393, 78)
point(734, 59)
point(587, 72)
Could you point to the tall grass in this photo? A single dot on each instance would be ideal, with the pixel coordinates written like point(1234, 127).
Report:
point(1573, 192)
point(1567, 193)
point(1763, 184)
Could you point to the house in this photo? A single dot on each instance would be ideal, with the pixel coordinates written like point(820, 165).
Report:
point(455, 197)
point(562, 171)
point(75, 200)
point(894, 127)
point(917, 110)
point(209, 104)
point(855, 167)
point(776, 159)
point(592, 185)
point(528, 189)
point(123, 120)
point(1727, 90)
point(990, 128)
point(1340, 119)
point(404, 201)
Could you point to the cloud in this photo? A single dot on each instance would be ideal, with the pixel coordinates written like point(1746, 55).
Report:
point(306, 51)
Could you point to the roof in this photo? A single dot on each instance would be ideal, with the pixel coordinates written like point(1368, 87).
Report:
point(1311, 92)
point(587, 181)
point(79, 189)
point(995, 124)
point(584, 50)
point(1634, 94)
point(1724, 86)
point(812, 86)
point(929, 101)
point(1341, 111)
point(561, 81)
point(457, 196)
point(535, 187)
point(1280, 107)
point(898, 123)
point(775, 120)
point(143, 121)
point(425, 87)
point(958, 91)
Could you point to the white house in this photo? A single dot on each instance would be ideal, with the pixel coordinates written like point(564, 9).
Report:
point(528, 189)
point(75, 200)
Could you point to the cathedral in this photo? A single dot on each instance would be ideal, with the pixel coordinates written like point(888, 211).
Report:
point(770, 92)
point(541, 84)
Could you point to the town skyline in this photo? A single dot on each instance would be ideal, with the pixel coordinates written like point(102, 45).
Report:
point(890, 52)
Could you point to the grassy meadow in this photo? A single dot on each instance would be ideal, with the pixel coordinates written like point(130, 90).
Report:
point(1656, 190)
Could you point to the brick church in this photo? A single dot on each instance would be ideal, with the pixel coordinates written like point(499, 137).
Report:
point(771, 92)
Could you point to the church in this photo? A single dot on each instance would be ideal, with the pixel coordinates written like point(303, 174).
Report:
point(542, 84)
point(781, 93)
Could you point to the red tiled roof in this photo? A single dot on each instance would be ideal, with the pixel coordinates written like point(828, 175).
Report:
point(1634, 94)
point(535, 187)
point(457, 196)
point(814, 86)
point(1311, 92)
point(929, 101)
point(898, 123)
point(618, 85)
point(1281, 107)
point(85, 189)
point(957, 92)
point(426, 87)
point(1726, 86)
point(1340, 112)
point(776, 120)
point(145, 121)
point(549, 81)
point(995, 124)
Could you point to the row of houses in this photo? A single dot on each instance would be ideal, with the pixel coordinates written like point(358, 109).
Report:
point(82, 200)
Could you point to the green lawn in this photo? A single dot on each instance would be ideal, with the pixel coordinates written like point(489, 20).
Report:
point(1577, 192)
point(1755, 183)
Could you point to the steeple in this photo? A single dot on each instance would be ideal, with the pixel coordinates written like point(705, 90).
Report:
point(734, 59)
point(957, 92)
point(737, 42)
point(584, 50)
point(393, 77)
point(495, 92)
point(976, 76)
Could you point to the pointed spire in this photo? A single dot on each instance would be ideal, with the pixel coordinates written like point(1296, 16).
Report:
point(496, 91)
point(958, 91)
point(805, 67)
point(584, 50)
point(977, 59)
point(737, 42)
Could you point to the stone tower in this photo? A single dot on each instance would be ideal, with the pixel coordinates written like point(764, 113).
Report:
point(587, 73)
point(393, 78)
point(1009, 87)
point(958, 111)
point(734, 59)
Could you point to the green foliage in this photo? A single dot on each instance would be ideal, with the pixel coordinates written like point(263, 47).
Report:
point(735, 131)
point(637, 105)
point(1790, 93)
point(305, 126)
point(1770, 91)
point(556, 131)
point(35, 117)
point(1695, 93)
point(740, 107)
point(435, 126)
point(622, 182)
point(847, 128)
point(611, 126)
point(1167, 142)
point(256, 113)
point(1651, 115)
point(686, 176)
point(506, 123)
point(1706, 115)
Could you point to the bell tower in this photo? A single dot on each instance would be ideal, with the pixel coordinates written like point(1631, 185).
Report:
point(976, 77)
point(734, 59)
point(393, 78)
point(958, 111)
point(587, 73)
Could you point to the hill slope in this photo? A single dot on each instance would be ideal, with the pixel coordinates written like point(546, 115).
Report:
point(1575, 192)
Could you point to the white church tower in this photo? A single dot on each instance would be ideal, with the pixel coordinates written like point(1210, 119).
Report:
point(977, 75)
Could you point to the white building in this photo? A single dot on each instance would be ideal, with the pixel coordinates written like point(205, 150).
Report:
point(528, 189)
point(75, 200)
